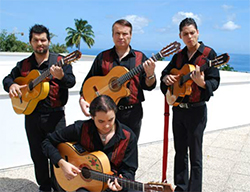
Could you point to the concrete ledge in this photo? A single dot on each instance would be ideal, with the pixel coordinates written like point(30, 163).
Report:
point(228, 108)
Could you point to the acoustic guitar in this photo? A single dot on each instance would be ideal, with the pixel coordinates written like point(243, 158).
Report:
point(37, 86)
point(95, 172)
point(114, 84)
point(182, 87)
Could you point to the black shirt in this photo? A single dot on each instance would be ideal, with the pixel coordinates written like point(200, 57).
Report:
point(58, 94)
point(73, 133)
point(212, 76)
point(129, 62)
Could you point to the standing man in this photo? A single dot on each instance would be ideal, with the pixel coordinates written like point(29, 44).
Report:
point(129, 108)
point(49, 113)
point(190, 117)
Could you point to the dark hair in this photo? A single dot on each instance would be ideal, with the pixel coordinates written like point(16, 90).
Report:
point(39, 29)
point(187, 22)
point(122, 22)
point(102, 103)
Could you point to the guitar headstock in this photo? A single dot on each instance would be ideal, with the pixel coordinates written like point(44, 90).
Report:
point(165, 187)
point(72, 57)
point(168, 50)
point(219, 60)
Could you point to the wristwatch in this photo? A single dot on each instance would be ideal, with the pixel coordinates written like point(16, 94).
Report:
point(151, 77)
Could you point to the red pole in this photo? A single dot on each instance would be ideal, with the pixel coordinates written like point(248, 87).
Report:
point(165, 142)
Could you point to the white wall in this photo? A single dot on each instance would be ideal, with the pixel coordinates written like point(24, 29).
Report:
point(228, 108)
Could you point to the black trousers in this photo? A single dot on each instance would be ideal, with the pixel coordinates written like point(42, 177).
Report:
point(132, 118)
point(188, 128)
point(37, 126)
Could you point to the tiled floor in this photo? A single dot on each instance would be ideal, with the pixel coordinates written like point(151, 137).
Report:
point(226, 163)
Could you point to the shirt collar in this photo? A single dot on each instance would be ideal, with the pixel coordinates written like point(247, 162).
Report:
point(33, 58)
point(200, 48)
point(119, 133)
point(131, 52)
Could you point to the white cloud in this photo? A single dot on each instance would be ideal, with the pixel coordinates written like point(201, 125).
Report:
point(137, 22)
point(230, 26)
point(227, 7)
point(177, 18)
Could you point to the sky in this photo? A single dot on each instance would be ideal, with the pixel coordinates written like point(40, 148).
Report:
point(223, 25)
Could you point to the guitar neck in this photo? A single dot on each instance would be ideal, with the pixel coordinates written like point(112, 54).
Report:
point(136, 70)
point(45, 74)
point(125, 183)
point(186, 77)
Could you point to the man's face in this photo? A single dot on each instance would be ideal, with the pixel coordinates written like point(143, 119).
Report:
point(189, 35)
point(121, 36)
point(104, 121)
point(40, 43)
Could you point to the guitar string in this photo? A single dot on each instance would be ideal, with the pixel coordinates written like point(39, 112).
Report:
point(125, 183)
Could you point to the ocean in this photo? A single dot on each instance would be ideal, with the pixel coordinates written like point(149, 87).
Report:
point(240, 62)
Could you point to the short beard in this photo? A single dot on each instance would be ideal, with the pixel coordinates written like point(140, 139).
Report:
point(44, 51)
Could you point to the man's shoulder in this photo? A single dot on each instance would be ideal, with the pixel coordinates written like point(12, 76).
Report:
point(127, 129)
point(137, 51)
point(55, 54)
point(206, 48)
point(25, 60)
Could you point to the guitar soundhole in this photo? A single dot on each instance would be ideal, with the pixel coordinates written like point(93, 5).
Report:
point(86, 173)
point(114, 85)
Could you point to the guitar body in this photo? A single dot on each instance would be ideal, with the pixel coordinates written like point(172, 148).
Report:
point(97, 161)
point(29, 99)
point(106, 85)
point(176, 92)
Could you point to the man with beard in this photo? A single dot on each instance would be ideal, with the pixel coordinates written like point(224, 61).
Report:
point(48, 115)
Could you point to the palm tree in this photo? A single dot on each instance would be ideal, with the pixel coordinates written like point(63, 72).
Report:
point(83, 31)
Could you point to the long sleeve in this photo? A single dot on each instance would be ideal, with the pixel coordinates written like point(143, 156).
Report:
point(68, 80)
point(9, 79)
point(70, 133)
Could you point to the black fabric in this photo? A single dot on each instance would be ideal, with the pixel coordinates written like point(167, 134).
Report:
point(37, 126)
point(189, 124)
point(58, 93)
point(48, 114)
point(131, 117)
point(129, 63)
point(73, 133)
point(212, 76)
point(188, 129)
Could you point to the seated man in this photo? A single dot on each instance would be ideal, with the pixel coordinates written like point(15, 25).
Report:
point(100, 133)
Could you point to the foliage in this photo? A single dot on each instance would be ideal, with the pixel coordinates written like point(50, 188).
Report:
point(57, 48)
point(9, 43)
point(83, 32)
point(227, 67)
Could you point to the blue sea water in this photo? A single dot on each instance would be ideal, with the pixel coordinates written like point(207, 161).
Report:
point(240, 62)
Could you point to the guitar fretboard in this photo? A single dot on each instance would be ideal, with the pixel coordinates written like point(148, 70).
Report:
point(136, 70)
point(125, 183)
point(45, 74)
